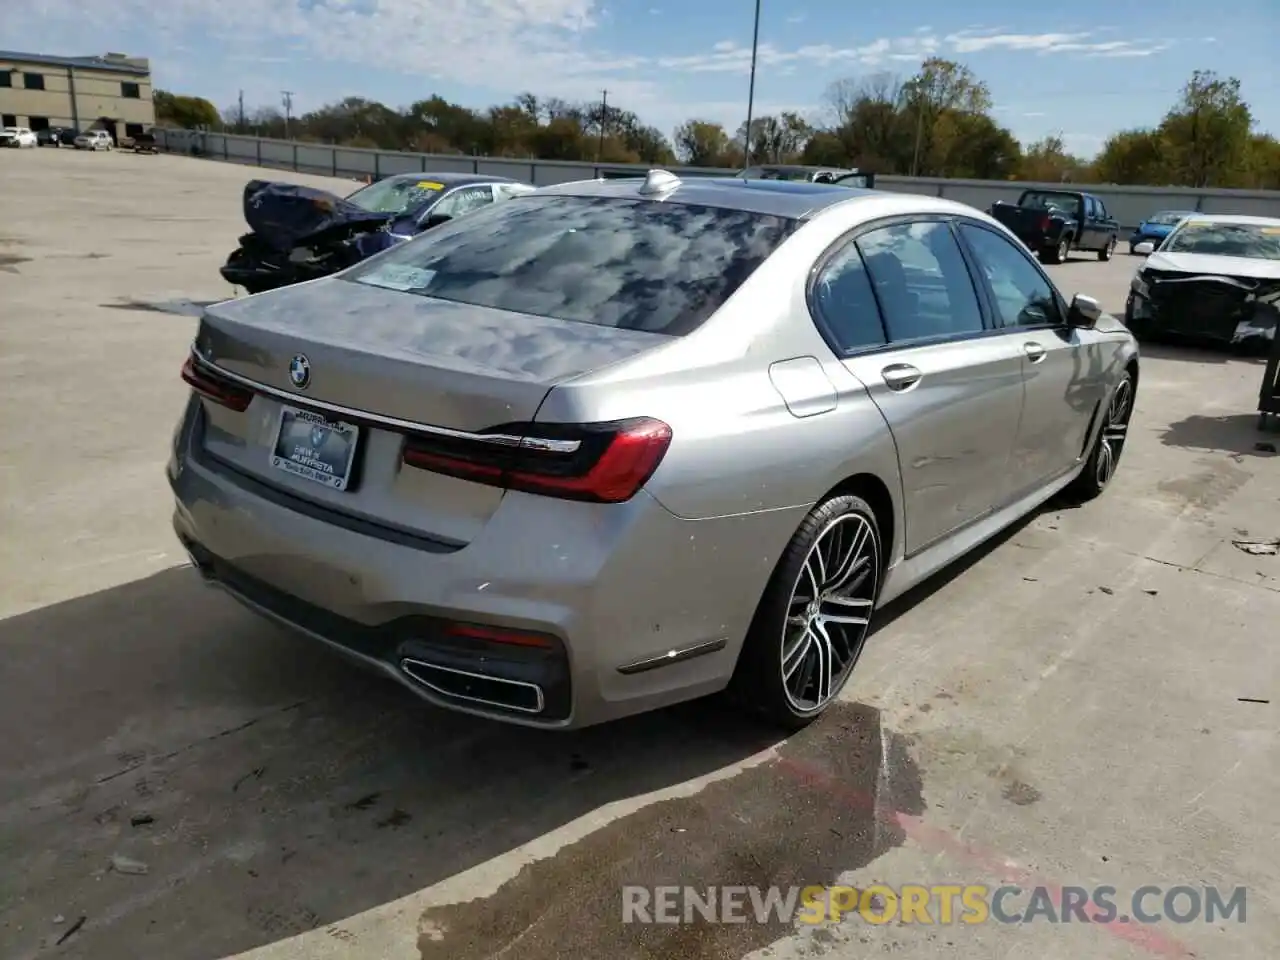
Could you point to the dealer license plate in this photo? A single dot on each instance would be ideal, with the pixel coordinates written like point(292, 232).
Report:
point(311, 446)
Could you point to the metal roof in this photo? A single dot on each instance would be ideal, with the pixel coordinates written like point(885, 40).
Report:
point(779, 198)
point(82, 63)
point(450, 179)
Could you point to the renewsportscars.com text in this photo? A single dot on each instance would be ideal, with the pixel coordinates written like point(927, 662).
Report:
point(934, 904)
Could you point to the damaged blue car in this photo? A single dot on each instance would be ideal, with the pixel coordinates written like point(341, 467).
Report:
point(300, 233)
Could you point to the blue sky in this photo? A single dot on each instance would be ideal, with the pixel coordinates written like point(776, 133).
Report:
point(1081, 69)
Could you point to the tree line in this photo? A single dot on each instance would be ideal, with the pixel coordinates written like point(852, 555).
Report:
point(936, 122)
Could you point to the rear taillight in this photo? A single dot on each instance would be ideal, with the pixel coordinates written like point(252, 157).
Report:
point(219, 389)
point(600, 462)
point(1044, 223)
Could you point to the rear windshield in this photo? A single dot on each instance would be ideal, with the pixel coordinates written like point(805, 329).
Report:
point(633, 264)
point(1257, 241)
point(1050, 201)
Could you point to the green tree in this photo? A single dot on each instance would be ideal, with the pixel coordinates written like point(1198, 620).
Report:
point(1047, 161)
point(1208, 132)
point(179, 110)
point(939, 88)
point(701, 143)
point(779, 139)
point(1132, 156)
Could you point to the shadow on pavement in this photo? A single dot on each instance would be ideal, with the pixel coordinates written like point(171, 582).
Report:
point(1188, 353)
point(1236, 434)
point(267, 787)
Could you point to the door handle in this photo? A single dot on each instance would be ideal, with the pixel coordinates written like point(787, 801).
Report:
point(1035, 352)
point(900, 376)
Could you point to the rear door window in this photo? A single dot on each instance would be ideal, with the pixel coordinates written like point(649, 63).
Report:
point(845, 303)
point(921, 280)
point(662, 267)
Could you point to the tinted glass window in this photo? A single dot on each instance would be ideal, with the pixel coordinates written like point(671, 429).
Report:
point(845, 303)
point(463, 201)
point(635, 264)
point(921, 281)
point(397, 194)
point(1023, 296)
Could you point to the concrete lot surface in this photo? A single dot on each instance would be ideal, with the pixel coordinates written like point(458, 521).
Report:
point(1069, 709)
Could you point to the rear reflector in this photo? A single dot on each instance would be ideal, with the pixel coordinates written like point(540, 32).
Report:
point(604, 462)
point(514, 638)
point(220, 390)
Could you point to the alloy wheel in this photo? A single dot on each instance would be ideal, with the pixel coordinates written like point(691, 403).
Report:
point(1062, 251)
point(1114, 430)
point(829, 612)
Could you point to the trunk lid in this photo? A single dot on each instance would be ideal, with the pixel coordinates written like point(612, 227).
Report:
point(390, 360)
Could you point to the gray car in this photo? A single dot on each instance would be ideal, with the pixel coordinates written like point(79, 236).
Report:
point(618, 444)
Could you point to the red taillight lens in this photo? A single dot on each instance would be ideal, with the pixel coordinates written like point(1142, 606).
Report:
point(1044, 223)
point(218, 389)
point(514, 638)
point(611, 462)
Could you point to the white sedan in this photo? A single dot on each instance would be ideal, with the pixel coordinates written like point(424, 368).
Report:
point(1215, 277)
point(94, 140)
point(17, 137)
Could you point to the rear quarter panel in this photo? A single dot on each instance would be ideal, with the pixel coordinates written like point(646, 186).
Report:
point(738, 447)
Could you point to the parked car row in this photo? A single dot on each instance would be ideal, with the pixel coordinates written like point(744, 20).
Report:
point(620, 443)
point(56, 137)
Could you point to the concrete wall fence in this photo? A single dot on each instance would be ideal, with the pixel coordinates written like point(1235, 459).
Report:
point(1128, 204)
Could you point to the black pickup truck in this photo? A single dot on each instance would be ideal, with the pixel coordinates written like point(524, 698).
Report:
point(1055, 222)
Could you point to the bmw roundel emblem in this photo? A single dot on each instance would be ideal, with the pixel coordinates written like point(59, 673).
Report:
point(300, 371)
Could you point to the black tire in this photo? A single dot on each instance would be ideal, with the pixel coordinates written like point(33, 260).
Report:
point(1057, 253)
point(1098, 470)
point(758, 683)
point(1108, 251)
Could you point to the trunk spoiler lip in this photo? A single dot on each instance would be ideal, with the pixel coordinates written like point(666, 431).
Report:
point(393, 423)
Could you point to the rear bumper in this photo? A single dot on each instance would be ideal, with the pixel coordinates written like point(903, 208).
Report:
point(618, 588)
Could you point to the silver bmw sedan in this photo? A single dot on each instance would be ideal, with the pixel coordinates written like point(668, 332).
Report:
point(618, 444)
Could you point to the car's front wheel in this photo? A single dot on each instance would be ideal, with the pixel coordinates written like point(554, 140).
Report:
point(812, 622)
point(1105, 457)
point(1106, 252)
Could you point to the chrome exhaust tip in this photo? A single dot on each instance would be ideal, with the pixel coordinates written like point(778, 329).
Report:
point(481, 689)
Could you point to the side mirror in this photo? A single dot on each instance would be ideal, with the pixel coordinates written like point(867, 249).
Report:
point(435, 219)
point(1084, 312)
point(1145, 248)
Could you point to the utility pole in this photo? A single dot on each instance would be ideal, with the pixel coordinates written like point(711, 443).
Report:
point(915, 158)
point(241, 130)
point(604, 112)
point(288, 110)
point(751, 90)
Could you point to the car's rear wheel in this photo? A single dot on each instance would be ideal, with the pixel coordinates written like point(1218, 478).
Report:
point(1058, 253)
point(1105, 457)
point(811, 624)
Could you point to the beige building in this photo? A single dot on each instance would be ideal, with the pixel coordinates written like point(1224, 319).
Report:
point(111, 92)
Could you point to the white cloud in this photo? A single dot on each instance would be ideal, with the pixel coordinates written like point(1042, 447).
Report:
point(512, 44)
point(797, 18)
point(971, 41)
